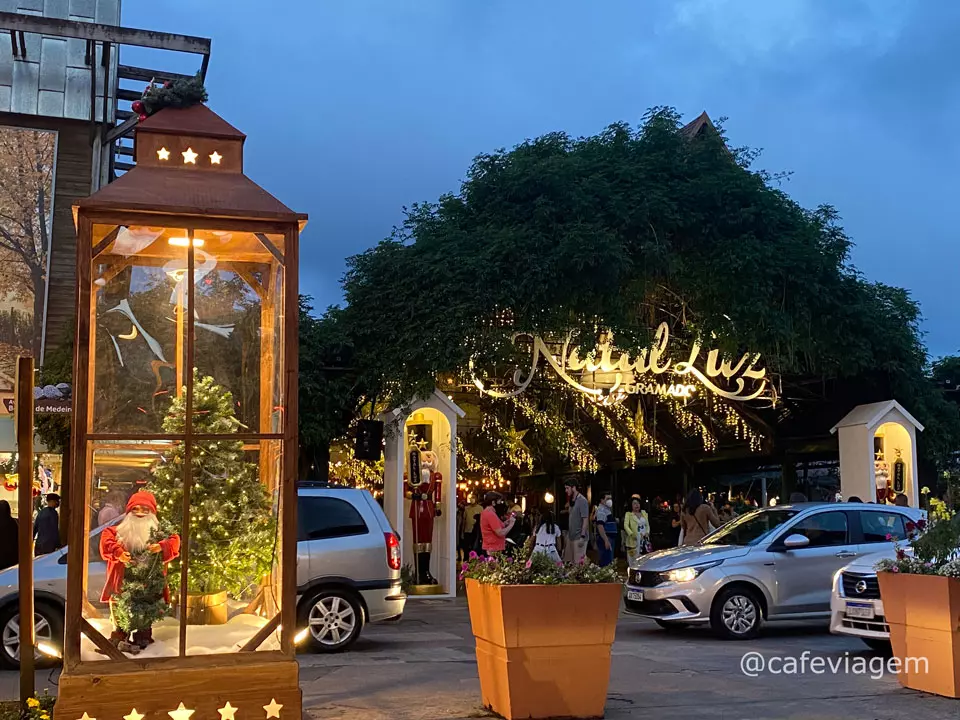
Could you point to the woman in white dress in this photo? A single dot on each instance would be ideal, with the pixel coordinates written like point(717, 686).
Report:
point(546, 540)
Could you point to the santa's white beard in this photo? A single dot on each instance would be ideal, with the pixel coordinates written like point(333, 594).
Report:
point(134, 532)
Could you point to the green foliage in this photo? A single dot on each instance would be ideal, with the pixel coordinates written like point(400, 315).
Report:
point(232, 530)
point(932, 544)
point(623, 230)
point(533, 569)
point(140, 602)
point(329, 396)
point(181, 93)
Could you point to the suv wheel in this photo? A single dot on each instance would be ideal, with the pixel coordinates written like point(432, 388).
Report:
point(334, 620)
point(736, 614)
point(47, 627)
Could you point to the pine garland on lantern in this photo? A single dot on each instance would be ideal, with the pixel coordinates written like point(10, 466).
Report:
point(181, 93)
point(232, 539)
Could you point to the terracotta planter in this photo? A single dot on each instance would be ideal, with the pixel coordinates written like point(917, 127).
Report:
point(923, 612)
point(544, 650)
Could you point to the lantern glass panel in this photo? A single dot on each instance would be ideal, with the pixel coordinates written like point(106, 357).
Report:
point(138, 326)
point(131, 571)
point(233, 577)
point(237, 331)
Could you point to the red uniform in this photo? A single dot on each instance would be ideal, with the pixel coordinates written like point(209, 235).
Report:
point(423, 508)
point(111, 550)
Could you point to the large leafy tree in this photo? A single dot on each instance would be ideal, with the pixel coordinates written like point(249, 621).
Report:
point(623, 230)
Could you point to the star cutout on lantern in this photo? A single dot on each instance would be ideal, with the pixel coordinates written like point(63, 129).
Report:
point(163, 154)
point(181, 713)
point(134, 715)
point(227, 712)
point(87, 717)
point(273, 709)
point(189, 157)
point(215, 158)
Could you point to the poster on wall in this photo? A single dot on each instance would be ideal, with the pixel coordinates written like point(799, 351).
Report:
point(27, 162)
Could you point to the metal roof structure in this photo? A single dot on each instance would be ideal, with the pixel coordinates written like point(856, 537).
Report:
point(64, 62)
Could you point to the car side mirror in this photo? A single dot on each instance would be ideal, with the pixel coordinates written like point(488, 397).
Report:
point(795, 541)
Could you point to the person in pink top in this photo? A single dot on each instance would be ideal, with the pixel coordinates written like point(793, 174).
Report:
point(493, 530)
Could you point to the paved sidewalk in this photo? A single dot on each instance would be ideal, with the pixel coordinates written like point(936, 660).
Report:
point(423, 668)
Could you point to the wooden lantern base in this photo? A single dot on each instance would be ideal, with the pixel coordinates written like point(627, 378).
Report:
point(154, 690)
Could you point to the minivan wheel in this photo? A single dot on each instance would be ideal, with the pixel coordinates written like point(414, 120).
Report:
point(333, 619)
point(736, 614)
point(47, 627)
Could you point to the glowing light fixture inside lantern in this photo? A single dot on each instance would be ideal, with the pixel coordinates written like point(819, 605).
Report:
point(185, 242)
point(189, 157)
point(548, 498)
point(273, 709)
point(215, 158)
point(163, 154)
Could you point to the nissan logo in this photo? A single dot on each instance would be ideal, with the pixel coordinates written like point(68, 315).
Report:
point(860, 587)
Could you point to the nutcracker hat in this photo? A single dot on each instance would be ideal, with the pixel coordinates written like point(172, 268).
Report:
point(144, 499)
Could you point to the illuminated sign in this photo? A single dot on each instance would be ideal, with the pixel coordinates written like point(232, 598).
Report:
point(608, 377)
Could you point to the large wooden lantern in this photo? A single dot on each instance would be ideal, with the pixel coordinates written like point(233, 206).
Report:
point(185, 421)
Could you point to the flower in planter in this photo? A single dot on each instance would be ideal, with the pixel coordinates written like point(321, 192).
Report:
point(930, 544)
point(533, 569)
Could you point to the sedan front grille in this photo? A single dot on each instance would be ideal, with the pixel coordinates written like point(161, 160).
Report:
point(860, 586)
point(645, 578)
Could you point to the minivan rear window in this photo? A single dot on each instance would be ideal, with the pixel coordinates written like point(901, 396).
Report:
point(319, 518)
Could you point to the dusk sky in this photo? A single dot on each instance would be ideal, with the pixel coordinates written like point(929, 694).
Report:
point(355, 108)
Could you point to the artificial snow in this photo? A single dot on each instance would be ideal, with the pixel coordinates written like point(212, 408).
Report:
point(201, 639)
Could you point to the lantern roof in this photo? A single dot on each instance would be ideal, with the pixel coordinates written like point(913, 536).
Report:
point(189, 162)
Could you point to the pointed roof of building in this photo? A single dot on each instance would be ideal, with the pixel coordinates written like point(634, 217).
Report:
point(197, 121)
point(697, 125)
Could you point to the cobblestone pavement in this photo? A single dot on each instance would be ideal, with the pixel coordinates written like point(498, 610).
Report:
point(423, 668)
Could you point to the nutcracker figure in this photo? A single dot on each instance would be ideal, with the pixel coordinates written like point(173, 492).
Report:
point(424, 488)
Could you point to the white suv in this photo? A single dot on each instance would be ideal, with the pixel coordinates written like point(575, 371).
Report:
point(856, 608)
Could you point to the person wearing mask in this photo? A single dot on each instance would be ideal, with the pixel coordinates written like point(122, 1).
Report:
point(46, 528)
point(606, 525)
point(493, 530)
point(578, 524)
point(547, 535)
point(697, 519)
point(9, 537)
point(636, 530)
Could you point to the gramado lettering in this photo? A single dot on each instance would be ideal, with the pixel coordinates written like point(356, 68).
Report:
point(609, 379)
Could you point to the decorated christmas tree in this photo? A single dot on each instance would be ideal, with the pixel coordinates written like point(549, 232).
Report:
point(232, 538)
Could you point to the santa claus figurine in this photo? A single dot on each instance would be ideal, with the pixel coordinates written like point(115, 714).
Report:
point(134, 543)
point(425, 497)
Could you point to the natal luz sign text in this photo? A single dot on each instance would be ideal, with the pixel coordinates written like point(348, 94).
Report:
point(609, 376)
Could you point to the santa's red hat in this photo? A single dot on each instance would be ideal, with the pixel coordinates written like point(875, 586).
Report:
point(144, 499)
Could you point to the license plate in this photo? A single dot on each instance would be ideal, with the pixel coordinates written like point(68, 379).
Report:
point(635, 595)
point(860, 610)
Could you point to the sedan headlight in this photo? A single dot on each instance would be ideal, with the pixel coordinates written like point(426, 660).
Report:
point(686, 574)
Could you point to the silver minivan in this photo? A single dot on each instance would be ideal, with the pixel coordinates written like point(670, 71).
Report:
point(348, 574)
point(776, 563)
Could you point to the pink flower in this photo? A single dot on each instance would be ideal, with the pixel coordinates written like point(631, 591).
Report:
point(583, 561)
point(559, 563)
point(464, 566)
point(889, 536)
point(921, 524)
point(529, 564)
point(895, 569)
point(473, 555)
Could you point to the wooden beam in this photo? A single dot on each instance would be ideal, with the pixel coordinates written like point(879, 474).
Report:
point(120, 130)
point(262, 634)
point(25, 474)
point(103, 645)
point(104, 33)
point(132, 72)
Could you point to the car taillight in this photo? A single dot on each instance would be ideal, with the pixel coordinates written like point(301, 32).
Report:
point(393, 550)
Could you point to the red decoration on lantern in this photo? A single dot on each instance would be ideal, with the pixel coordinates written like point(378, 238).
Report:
point(137, 107)
point(143, 116)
